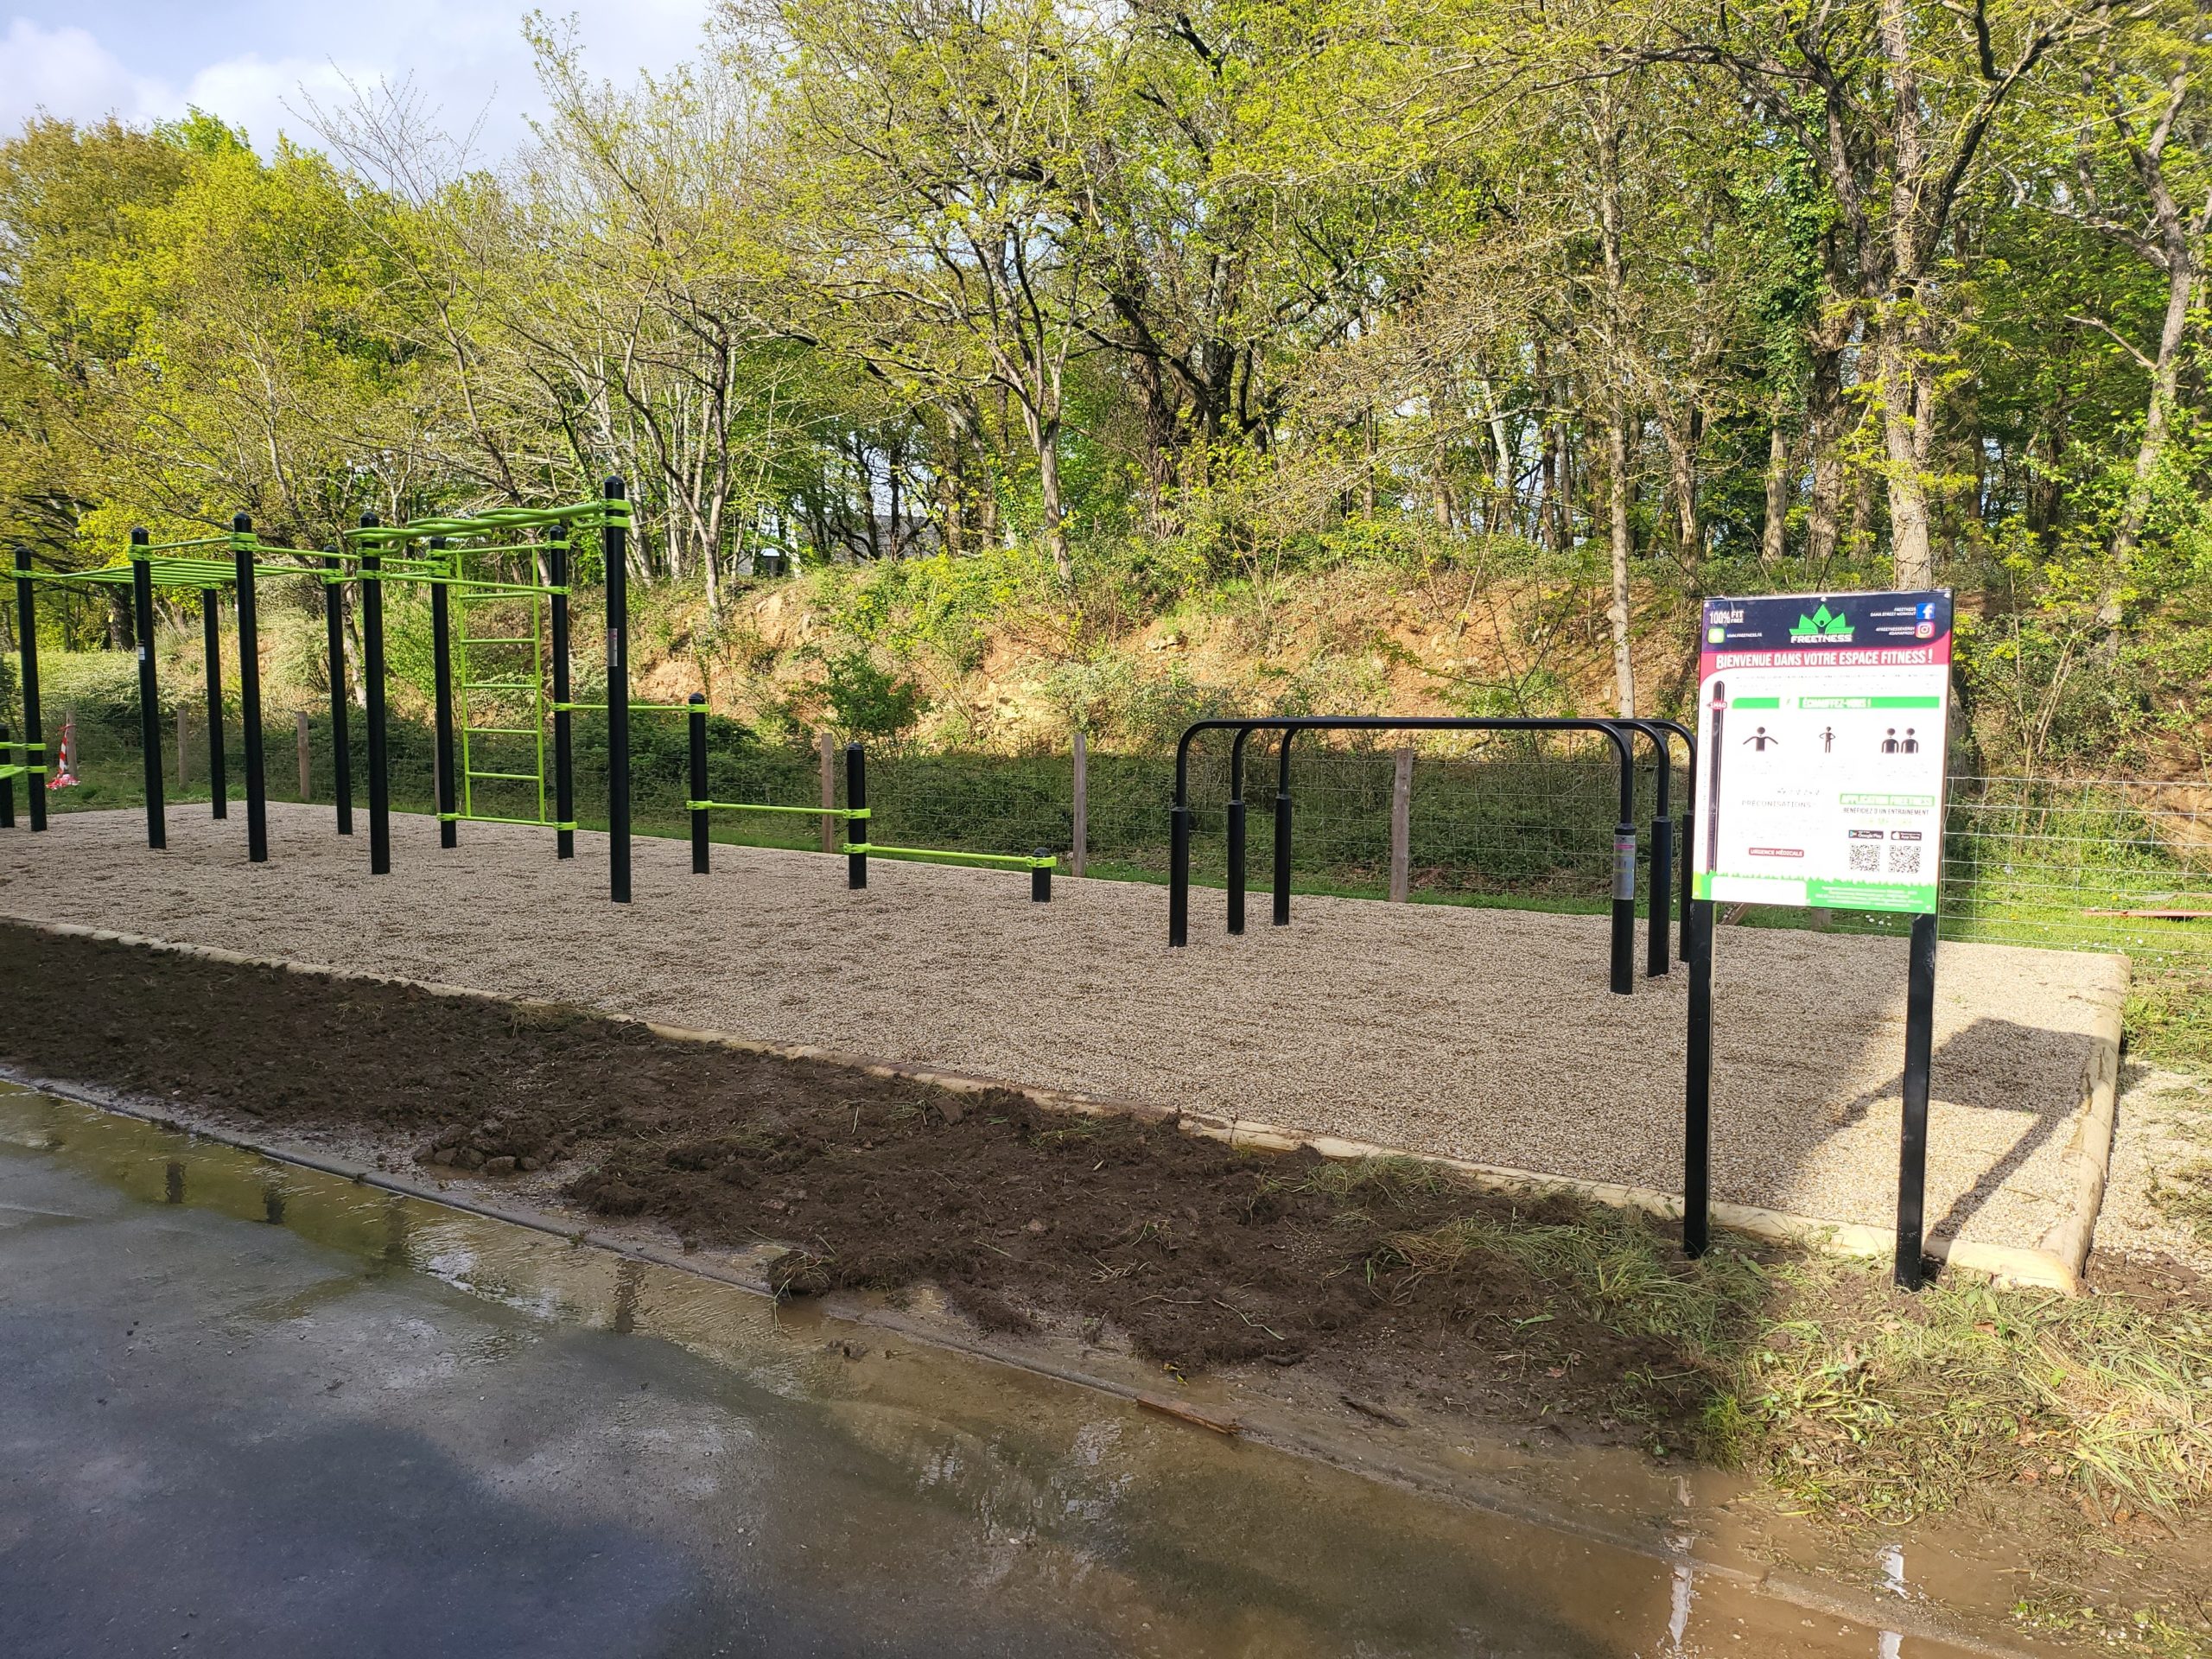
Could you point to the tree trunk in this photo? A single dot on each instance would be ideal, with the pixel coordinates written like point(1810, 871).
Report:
point(1048, 490)
point(1774, 539)
point(1906, 403)
point(2166, 373)
point(1609, 226)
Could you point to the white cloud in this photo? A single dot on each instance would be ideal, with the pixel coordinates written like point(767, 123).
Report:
point(65, 73)
point(248, 62)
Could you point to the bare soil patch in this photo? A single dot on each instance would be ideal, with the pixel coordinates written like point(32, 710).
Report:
point(1126, 1230)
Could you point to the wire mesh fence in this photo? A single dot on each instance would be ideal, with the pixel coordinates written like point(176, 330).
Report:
point(1513, 819)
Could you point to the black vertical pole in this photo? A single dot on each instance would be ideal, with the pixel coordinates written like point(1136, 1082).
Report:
point(564, 770)
point(1697, 1080)
point(1912, 1135)
point(1236, 831)
point(341, 738)
point(1658, 927)
point(614, 538)
point(698, 734)
point(150, 691)
point(1624, 953)
point(6, 784)
point(257, 803)
point(373, 692)
point(1283, 835)
point(442, 678)
point(1179, 874)
point(1040, 881)
point(1659, 931)
point(855, 799)
point(1689, 873)
point(34, 756)
point(211, 640)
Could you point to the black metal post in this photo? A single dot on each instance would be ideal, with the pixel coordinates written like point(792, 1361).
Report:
point(564, 759)
point(1912, 1135)
point(855, 828)
point(1689, 873)
point(1179, 874)
point(1697, 1081)
point(210, 644)
point(1236, 830)
point(1659, 930)
point(6, 784)
point(698, 722)
point(257, 797)
point(373, 691)
point(1040, 881)
point(341, 736)
point(1624, 952)
point(150, 691)
point(448, 795)
point(1281, 918)
point(615, 541)
point(35, 755)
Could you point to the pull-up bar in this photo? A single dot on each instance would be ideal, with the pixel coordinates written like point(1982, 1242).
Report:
point(1623, 964)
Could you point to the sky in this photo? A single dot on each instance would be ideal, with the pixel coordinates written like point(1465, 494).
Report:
point(247, 60)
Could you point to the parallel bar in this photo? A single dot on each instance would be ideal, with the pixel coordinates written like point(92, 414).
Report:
point(564, 776)
point(372, 685)
point(257, 782)
point(341, 736)
point(150, 691)
point(441, 682)
point(855, 800)
point(698, 805)
point(211, 640)
point(1912, 1131)
point(697, 736)
point(38, 771)
point(615, 540)
point(955, 856)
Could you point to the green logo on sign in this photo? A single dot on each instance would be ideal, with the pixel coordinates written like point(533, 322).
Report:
point(1823, 624)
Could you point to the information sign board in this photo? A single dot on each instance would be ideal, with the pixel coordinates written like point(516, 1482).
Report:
point(1821, 727)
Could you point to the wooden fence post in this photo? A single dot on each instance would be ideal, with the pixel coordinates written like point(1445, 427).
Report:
point(183, 733)
point(1082, 813)
point(1401, 814)
point(830, 826)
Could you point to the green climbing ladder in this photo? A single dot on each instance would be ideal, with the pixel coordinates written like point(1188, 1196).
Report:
point(502, 706)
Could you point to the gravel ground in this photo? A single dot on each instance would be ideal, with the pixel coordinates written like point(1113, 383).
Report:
point(1485, 1035)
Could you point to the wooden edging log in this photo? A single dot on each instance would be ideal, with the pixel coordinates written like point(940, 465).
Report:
point(2055, 1264)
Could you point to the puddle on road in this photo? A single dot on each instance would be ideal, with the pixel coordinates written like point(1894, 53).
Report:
point(1149, 1535)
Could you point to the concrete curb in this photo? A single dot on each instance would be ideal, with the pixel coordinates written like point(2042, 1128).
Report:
point(2044, 1268)
point(2089, 1150)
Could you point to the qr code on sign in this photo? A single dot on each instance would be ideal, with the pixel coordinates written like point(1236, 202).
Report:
point(1904, 858)
point(1867, 855)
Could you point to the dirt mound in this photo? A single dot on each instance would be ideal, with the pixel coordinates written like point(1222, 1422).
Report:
point(1391, 1276)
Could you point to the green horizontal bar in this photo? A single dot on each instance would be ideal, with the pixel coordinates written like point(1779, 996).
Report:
point(849, 812)
point(498, 685)
point(500, 731)
point(487, 817)
point(940, 855)
point(504, 777)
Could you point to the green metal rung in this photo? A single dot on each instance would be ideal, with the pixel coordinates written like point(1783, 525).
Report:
point(851, 813)
point(502, 731)
point(941, 855)
point(487, 817)
point(506, 777)
point(496, 685)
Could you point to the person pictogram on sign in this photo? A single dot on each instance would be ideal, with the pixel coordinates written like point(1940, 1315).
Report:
point(1759, 740)
point(1828, 740)
point(1911, 744)
point(1890, 743)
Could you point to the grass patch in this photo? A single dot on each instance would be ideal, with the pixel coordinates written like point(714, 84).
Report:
point(1852, 1399)
point(2169, 1016)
